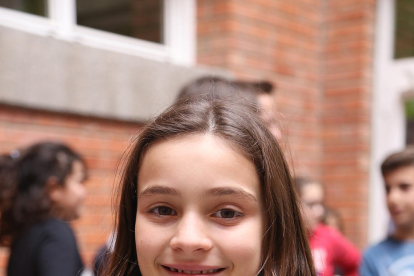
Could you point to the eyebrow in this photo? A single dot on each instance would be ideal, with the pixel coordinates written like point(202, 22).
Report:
point(219, 191)
point(223, 191)
point(158, 190)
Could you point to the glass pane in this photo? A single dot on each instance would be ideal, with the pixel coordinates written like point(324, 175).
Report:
point(141, 19)
point(37, 7)
point(409, 115)
point(404, 29)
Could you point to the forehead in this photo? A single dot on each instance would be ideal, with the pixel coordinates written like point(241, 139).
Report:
point(312, 191)
point(202, 161)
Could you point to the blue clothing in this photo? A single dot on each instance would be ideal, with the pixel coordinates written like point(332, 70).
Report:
point(389, 258)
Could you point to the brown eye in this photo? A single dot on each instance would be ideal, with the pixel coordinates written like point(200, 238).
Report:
point(227, 214)
point(164, 211)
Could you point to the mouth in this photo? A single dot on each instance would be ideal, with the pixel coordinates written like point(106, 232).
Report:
point(395, 212)
point(194, 272)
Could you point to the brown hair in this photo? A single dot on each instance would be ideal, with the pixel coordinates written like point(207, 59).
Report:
point(285, 245)
point(23, 185)
point(397, 160)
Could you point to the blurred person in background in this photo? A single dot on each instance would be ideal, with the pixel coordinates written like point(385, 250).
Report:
point(395, 255)
point(5, 169)
point(45, 190)
point(333, 219)
point(330, 249)
point(258, 93)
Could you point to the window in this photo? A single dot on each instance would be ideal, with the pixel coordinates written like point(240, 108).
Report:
point(36, 7)
point(134, 18)
point(162, 30)
point(404, 29)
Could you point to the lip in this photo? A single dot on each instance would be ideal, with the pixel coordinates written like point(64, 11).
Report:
point(396, 212)
point(184, 267)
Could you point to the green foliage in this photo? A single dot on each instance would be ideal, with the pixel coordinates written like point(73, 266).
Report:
point(409, 109)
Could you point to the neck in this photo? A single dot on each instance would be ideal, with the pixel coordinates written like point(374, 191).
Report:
point(404, 233)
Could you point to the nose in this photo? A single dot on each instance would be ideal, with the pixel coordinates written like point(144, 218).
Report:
point(82, 192)
point(318, 211)
point(191, 235)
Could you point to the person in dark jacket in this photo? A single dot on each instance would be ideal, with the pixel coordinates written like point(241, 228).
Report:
point(44, 192)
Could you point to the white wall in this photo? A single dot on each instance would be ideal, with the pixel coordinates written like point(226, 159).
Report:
point(391, 79)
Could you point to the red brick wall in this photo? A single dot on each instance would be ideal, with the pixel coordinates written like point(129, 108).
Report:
point(278, 41)
point(319, 53)
point(347, 111)
point(101, 142)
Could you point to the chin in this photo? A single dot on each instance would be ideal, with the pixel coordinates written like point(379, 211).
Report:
point(71, 217)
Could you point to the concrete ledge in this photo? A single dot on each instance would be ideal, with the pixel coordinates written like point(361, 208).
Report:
point(42, 72)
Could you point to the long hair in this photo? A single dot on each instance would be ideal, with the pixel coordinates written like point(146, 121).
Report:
point(23, 186)
point(285, 249)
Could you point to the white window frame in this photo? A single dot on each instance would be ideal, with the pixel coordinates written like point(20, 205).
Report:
point(179, 31)
point(392, 79)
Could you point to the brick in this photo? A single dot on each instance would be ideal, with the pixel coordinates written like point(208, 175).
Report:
point(101, 142)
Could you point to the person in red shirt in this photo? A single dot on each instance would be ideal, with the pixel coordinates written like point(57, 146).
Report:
point(330, 249)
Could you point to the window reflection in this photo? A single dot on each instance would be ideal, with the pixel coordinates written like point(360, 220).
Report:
point(37, 7)
point(141, 19)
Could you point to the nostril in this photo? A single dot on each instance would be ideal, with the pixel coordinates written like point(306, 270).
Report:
point(191, 235)
point(190, 243)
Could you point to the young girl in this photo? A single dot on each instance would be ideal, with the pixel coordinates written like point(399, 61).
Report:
point(45, 190)
point(207, 191)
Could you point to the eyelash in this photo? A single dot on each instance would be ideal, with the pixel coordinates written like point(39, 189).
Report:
point(218, 214)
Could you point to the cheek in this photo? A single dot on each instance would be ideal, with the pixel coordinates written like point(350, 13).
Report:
point(410, 200)
point(242, 245)
point(150, 240)
point(77, 193)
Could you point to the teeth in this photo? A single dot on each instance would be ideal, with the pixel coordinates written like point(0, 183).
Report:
point(193, 272)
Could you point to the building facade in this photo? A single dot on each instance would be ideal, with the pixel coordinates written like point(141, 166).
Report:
point(90, 74)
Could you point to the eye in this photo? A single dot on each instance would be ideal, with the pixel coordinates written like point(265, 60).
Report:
point(163, 211)
point(227, 214)
point(405, 187)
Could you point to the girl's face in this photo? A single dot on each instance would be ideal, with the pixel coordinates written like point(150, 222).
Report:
point(199, 210)
point(68, 199)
